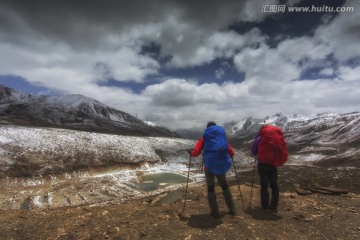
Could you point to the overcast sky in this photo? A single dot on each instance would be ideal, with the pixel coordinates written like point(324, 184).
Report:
point(183, 63)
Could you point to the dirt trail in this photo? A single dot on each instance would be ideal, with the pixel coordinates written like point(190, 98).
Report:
point(313, 216)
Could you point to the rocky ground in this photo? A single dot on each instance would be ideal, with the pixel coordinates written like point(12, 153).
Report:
point(308, 215)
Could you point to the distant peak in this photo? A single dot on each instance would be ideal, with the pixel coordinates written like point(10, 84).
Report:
point(72, 100)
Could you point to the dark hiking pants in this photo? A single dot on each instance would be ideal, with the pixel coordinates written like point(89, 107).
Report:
point(268, 175)
point(210, 182)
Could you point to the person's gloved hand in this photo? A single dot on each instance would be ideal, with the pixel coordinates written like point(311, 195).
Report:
point(189, 151)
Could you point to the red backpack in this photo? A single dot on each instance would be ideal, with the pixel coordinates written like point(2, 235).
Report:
point(272, 147)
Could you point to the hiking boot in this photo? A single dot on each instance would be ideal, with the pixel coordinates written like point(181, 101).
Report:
point(233, 213)
point(266, 210)
point(270, 210)
point(273, 210)
point(215, 215)
point(213, 204)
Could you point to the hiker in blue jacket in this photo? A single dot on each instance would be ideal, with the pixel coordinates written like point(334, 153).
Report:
point(216, 153)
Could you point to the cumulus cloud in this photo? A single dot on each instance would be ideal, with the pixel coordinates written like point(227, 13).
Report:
point(77, 46)
point(349, 73)
point(273, 79)
point(297, 49)
point(75, 36)
point(200, 50)
point(183, 93)
point(266, 70)
point(172, 93)
point(234, 101)
point(342, 34)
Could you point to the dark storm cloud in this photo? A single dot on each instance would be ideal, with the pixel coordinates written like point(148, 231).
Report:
point(82, 22)
point(75, 22)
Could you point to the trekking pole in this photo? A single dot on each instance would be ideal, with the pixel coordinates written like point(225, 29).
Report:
point(201, 166)
point(252, 183)
point(237, 179)
point(187, 183)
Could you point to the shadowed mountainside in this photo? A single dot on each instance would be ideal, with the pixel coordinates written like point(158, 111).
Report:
point(72, 112)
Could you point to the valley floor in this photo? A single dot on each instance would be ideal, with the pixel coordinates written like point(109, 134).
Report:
point(312, 216)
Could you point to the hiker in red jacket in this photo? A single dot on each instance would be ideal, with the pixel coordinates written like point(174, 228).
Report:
point(270, 148)
point(216, 154)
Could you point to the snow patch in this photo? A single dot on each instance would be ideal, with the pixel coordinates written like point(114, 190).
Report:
point(312, 157)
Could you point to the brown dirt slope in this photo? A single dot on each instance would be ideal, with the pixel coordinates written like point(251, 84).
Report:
point(309, 216)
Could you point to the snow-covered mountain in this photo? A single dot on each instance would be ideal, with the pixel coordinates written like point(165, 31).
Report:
point(72, 111)
point(347, 126)
point(328, 138)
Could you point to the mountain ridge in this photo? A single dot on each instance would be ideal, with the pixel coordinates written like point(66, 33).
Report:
point(73, 111)
point(325, 138)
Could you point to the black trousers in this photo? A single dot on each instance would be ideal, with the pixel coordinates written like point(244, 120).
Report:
point(210, 181)
point(268, 175)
